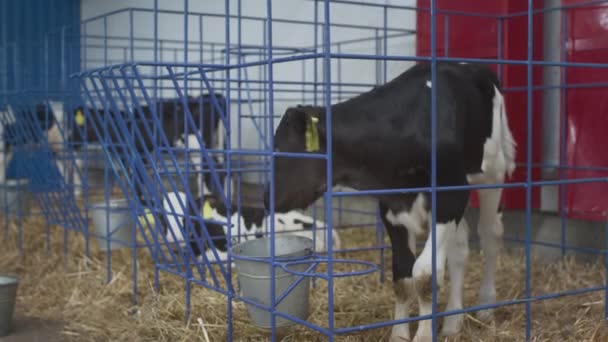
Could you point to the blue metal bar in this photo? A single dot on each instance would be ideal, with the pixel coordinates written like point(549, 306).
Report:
point(226, 121)
point(564, 132)
point(270, 76)
point(252, 47)
point(217, 67)
point(385, 43)
point(364, 86)
point(414, 8)
point(329, 172)
point(433, 222)
point(528, 291)
point(555, 8)
point(468, 187)
point(131, 37)
point(245, 17)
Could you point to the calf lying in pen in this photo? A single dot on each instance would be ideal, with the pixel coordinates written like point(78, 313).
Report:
point(249, 223)
point(381, 139)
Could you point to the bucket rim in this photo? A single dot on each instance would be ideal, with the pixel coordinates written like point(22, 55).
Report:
point(7, 279)
point(307, 247)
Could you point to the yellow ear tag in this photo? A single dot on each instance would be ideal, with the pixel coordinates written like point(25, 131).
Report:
point(79, 118)
point(148, 215)
point(312, 135)
point(207, 210)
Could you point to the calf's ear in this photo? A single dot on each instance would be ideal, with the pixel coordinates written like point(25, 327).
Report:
point(301, 118)
point(295, 119)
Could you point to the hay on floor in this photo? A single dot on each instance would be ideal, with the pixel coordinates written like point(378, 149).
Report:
point(66, 288)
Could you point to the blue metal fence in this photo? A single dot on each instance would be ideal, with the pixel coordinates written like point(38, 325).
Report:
point(127, 80)
point(119, 91)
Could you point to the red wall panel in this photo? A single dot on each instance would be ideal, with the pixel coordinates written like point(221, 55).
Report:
point(586, 110)
point(477, 37)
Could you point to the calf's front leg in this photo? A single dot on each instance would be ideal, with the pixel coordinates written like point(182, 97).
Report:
point(423, 271)
point(403, 251)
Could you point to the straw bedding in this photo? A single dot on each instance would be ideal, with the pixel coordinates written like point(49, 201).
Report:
point(65, 288)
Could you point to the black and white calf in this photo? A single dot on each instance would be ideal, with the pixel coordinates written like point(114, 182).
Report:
point(202, 111)
point(247, 224)
point(381, 140)
point(205, 124)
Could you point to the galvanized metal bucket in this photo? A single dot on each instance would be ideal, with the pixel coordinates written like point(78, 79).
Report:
point(118, 230)
point(254, 277)
point(14, 197)
point(8, 296)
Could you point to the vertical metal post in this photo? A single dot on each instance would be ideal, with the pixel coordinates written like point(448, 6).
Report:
point(378, 51)
point(385, 44)
point(5, 73)
point(105, 41)
point(46, 87)
point(339, 76)
point(434, 166)
point(188, 223)
point(269, 54)
point(530, 47)
point(328, 193)
point(131, 35)
point(563, 130)
point(316, 48)
point(108, 208)
point(239, 177)
point(84, 45)
point(154, 138)
point(231, 293)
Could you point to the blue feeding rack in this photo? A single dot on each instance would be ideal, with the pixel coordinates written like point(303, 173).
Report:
point(121, 106)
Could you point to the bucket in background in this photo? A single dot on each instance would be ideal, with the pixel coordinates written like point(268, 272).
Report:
point(8, 296)
point(254, 277)
point(14, 197)
point(120, 226)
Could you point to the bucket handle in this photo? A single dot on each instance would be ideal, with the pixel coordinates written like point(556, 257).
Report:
point(278, 260)
point(372, 267)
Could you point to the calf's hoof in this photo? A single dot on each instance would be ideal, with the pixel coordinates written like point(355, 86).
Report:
point(423, 339)
point(452, 325)
point(486, 315)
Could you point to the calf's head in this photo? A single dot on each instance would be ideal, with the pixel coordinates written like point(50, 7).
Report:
point(298, 181)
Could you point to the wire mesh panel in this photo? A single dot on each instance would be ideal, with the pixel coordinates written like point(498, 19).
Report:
point(36, 132)
point(146, 141)
point(155, 119)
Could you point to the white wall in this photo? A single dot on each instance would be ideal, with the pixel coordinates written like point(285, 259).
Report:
point(171, 37)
